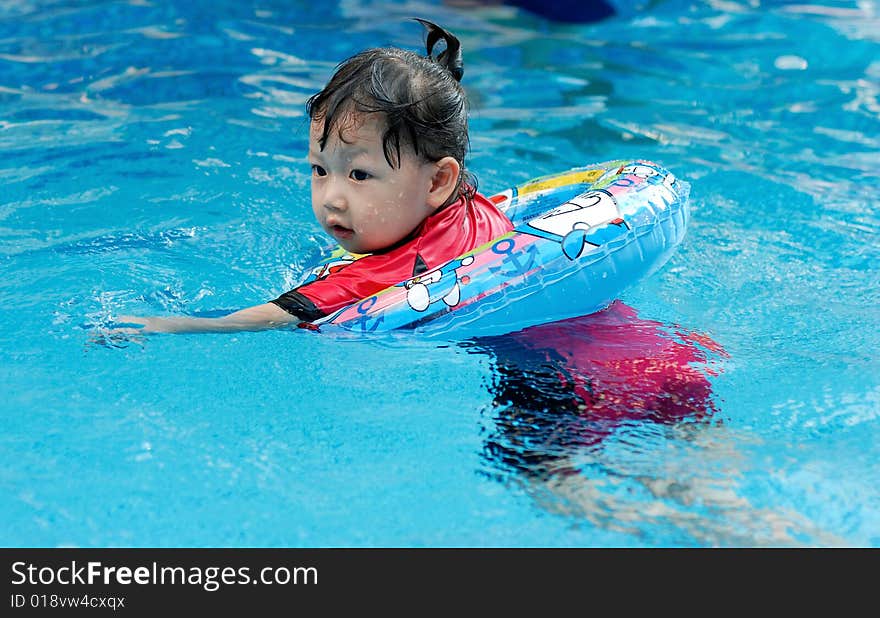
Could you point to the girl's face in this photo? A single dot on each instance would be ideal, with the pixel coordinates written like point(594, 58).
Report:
point(357, 197)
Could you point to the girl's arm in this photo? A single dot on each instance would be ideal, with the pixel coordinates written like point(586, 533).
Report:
point(260, 317)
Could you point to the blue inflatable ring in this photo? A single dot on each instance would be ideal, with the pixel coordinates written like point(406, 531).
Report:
point(580, 239)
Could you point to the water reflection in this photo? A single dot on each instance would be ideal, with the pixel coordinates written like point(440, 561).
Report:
point(601, 418)
point(570, 384)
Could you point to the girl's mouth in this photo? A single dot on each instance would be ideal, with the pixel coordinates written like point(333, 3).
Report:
point(339, 231)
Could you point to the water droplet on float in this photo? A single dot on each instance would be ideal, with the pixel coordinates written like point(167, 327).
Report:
point(790, 63)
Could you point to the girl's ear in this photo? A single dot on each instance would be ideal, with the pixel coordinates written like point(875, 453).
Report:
point(444, 181)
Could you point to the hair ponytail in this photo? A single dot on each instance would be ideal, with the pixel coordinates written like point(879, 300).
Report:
point(450, 58)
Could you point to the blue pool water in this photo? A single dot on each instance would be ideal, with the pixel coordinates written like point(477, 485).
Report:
point(152, 161)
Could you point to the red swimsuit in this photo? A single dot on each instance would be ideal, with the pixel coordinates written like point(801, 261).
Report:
point(458, 228)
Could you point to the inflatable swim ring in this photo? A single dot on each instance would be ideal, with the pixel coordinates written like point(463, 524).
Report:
point(580, 239)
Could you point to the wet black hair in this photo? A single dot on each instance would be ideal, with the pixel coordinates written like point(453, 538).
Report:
point(421, 98)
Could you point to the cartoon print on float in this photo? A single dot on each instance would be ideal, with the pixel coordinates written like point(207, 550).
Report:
point(581, 224)
point(338, 259)
point(645, 172)
point(439, 284)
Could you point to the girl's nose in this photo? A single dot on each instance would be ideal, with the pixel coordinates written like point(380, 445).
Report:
point(334, 198)
point(336, 204)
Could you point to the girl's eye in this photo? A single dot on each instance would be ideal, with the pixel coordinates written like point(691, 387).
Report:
point(317, 170)
point(359, 175)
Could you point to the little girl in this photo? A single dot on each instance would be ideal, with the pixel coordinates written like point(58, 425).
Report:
point(387, 142)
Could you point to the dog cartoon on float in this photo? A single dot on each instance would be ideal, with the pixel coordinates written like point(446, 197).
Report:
point(438, 284)
point(581, 224)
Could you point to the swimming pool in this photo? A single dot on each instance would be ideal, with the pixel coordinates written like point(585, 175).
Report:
point(152, 157)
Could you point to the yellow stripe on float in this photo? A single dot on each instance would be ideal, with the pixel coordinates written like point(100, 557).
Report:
point(553, 182)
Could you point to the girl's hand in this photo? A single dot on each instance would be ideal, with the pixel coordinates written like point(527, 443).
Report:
point(124, 335)
point(147, 325)
point(260, 317)
point(135, 325)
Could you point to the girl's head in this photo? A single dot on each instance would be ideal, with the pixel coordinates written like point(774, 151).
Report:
point(387, 143)
point(420, 98)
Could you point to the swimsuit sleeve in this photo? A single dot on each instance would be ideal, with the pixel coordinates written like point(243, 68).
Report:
point(299, 305)
point(355, 281)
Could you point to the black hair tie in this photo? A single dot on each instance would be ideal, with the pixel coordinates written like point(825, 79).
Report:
point(451, 56)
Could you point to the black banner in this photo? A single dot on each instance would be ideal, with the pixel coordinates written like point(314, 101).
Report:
point(150, 581)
